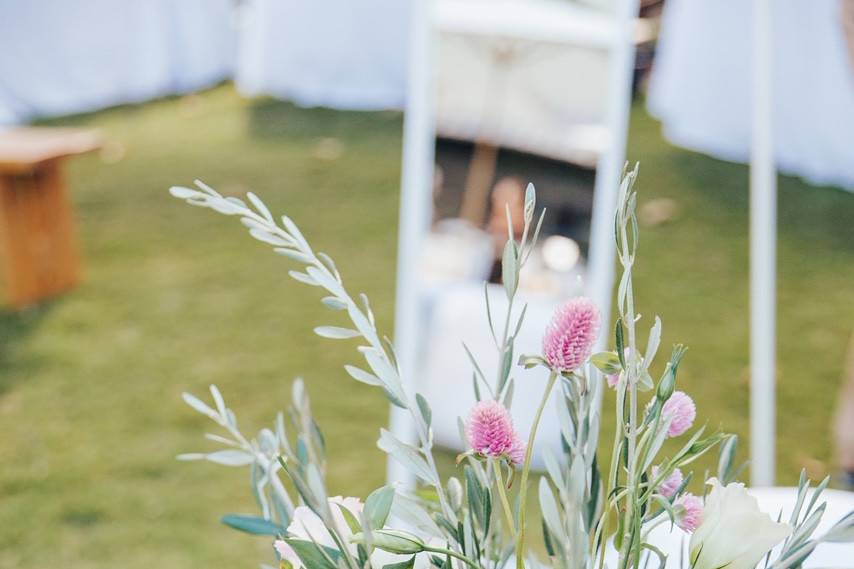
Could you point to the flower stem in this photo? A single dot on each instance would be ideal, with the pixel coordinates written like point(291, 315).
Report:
point(523, 487)
point(628, 318)
point(453, 554)
point(505, 503)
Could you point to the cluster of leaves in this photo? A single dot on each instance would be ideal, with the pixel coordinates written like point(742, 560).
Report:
point(572, 496)
point(570, 516)
point(639, 434)
point(462, 523)
point(804, 521)
point(263, 454)
point(460, 514)
point(472, 521)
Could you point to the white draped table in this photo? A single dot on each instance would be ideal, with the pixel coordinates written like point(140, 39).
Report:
point(69, 57)
point(701, 85)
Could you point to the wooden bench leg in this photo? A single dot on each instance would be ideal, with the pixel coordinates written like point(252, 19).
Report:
point(38, 241)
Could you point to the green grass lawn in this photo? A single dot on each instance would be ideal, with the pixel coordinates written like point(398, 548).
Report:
point(175, 299)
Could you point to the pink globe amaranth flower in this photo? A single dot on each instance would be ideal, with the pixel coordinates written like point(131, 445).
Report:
point(689, 512)
point(570, 335)
point(680, 407)
point(671, 484)
point(517, 451)
point(490, 429)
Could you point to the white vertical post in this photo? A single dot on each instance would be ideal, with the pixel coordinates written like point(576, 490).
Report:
point(763, 251)
point(602, 248)
point(419, 142)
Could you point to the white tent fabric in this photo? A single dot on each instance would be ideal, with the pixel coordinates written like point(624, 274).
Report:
point(68, 57)
point(334, 53)
point(701, 85)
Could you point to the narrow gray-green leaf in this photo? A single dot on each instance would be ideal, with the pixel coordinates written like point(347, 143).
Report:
point(408, 456)
point(303, 278)
point(361, 375)
point(424, 408)
point(253, 525)
point(336, 332)
point(230, 457)
point(198, 405)
point(652, 343)
point(509, 268)
point(259, 205)
point(378, 505)
point(550, 511)
point(334, 303)
point(842, 531)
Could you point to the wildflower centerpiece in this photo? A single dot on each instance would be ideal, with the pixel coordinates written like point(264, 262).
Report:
point(596, 510)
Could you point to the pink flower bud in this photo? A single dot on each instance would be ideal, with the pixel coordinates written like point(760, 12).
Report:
point(517, 451)
point(490, 429)
point(669, 487)
point(570, 335)
point(689, 512)
point(680, 407)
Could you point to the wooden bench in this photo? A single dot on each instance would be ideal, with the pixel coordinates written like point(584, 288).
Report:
point(39, 257)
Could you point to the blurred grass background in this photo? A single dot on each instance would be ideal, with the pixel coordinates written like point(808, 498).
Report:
point(175, 299)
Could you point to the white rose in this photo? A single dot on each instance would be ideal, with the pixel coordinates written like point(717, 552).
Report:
point(734, 533)
point(308, 526)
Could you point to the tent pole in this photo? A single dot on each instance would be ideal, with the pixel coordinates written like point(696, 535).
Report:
point(763, 235)
point(415, 212)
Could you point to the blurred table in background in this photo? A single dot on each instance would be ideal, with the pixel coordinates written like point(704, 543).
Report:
point(38, 243)
point(701, 84)
point(71, 57)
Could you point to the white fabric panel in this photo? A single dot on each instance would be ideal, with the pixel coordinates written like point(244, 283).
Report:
point(701, 83)
point(529, 75)
point(63, 57)
point(334, 53)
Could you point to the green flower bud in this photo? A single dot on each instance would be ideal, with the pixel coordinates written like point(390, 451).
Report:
point(667, 384)
point(455, 493)
point(393, 541)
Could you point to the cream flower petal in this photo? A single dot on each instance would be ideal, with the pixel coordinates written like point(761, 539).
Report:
point(735, 533)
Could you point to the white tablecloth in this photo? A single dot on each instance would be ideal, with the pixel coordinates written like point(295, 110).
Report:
point(68, 57)
point(700, 87)
point(336, 53)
